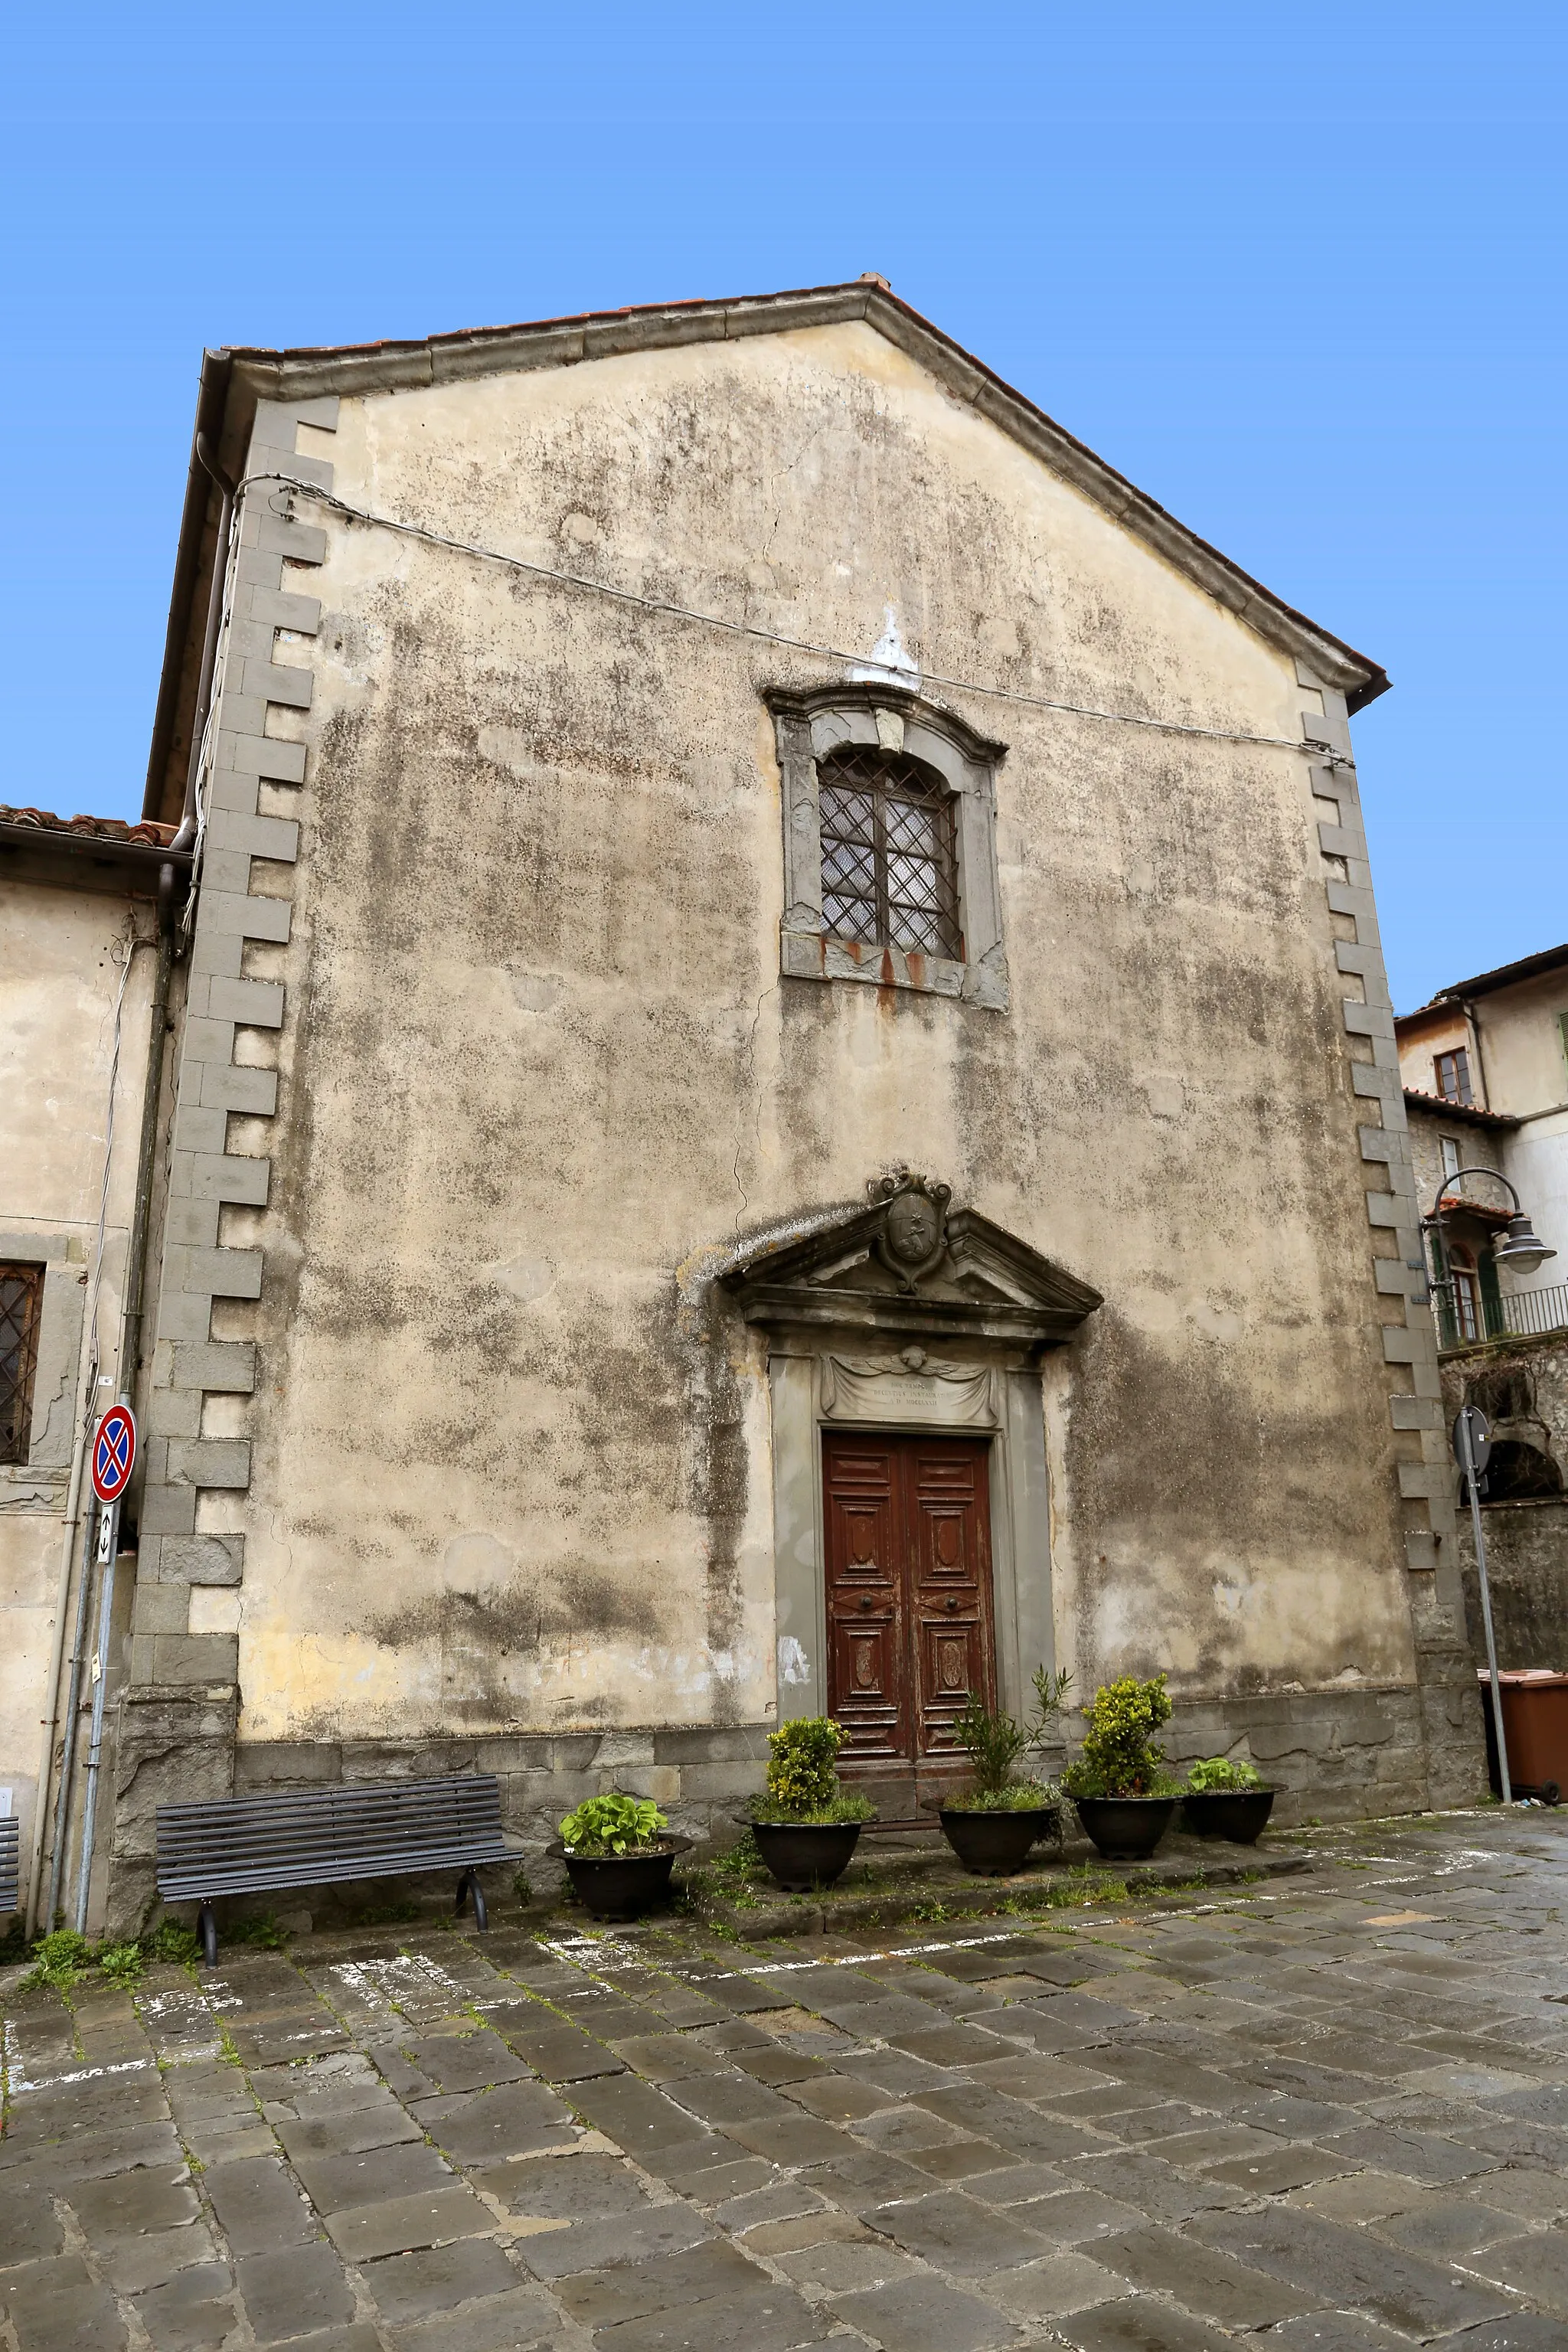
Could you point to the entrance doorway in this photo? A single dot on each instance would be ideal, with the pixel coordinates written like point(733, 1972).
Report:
point(908, 1525)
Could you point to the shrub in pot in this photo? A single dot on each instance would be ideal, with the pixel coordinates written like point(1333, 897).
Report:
point(1120, 1789)
point(806, 1822)
point(619, 1853)
point(992, 1824)
point(1226, 1799)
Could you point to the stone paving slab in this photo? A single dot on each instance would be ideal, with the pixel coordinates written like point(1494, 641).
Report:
point(1327, 2110)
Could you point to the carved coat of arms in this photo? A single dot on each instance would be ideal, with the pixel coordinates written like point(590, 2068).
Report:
point(913, 1237)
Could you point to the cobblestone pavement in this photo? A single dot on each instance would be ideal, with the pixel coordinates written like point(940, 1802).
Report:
point(1330, 2113)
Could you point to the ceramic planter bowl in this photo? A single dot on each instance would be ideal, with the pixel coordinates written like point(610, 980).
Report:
point(1125, 1829)
point(992, 1845)
point(1239, 1815)
point(622, 1886)
point(804, 1855)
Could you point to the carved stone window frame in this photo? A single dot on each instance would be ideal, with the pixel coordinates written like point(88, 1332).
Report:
point(807, 726)
point(37, 1481)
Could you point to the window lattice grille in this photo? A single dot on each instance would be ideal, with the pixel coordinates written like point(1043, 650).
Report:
point(890, 873)
point(20, 1289)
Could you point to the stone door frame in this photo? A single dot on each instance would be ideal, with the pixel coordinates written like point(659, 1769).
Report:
point(817, 1384)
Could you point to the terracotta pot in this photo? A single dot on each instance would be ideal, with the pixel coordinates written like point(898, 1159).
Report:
point(804, 1854)
point(1239, 1815)
point(1125, 1829)
point(992, 1845)
point(622, 1886)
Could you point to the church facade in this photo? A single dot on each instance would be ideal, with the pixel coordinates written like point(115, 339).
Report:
point(782, 1098)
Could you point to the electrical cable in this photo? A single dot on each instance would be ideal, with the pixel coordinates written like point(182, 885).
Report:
point(668, 606)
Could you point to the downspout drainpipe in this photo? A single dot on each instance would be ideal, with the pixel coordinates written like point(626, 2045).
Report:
point(187, 832)
point(51, 1710)
point(132, 1318)
point(1468, 1010)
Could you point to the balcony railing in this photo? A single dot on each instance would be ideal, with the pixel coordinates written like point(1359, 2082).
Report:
point(1527, 1315)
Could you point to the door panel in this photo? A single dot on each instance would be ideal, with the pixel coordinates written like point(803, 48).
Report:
point(866, 1631)
point(908, 1589)
point(950, 1524)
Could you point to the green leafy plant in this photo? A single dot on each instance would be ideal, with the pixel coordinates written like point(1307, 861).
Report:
point(1216, 1776)
point(59, 1960)
point(174, 1944)
point(120, 1963)
point(1017, 1796)
point(995, 1741)
point(523, 1886)
point(612, 1825)
point(803, 1783)
point(1120, 1757)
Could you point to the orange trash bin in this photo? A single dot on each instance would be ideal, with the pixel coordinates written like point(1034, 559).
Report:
point(1535, 1725)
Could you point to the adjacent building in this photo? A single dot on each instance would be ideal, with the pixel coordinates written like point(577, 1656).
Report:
point(784, 1096)
point(1485, 1066)
point(85, 903)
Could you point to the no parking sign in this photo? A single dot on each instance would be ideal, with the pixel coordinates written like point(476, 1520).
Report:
point(114, 1453)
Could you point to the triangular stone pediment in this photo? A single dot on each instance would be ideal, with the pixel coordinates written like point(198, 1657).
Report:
point(909, 1263)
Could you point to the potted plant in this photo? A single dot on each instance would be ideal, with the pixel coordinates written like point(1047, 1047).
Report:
point(619, 1853)
point(1120, 1789)
point(1226, 1799)
point(992, 1824)
point(806, 1822)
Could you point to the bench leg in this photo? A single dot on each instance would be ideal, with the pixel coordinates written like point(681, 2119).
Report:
point(469, 1885)
point(207, 1928)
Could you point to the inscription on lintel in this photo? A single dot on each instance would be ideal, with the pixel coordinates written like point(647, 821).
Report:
point(860, 1387)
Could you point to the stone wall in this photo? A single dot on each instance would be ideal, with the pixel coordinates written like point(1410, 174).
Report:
point(1522, 1387)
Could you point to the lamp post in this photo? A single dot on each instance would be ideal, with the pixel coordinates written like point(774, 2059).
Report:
point(1521, 1250)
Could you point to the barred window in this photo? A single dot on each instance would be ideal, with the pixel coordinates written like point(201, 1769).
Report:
point(21, 1292)
point(889, 867)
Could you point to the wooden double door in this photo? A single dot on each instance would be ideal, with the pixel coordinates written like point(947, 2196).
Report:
point(908, 1589)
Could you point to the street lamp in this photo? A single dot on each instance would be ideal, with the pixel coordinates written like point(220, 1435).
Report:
point(1521, 1249)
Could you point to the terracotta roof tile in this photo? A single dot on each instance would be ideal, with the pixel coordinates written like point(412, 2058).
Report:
point(146, 834)
point(1471, 1113)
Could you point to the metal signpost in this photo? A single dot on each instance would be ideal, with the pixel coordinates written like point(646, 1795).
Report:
point(114, 1460)
point(1472, 1451)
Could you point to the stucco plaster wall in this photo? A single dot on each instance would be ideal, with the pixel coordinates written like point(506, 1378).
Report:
point(61, 955)
point(1522, 1041)
point(538, 1069)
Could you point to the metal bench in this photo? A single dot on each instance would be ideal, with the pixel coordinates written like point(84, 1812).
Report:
point(318, 1837)
point(11, 1862)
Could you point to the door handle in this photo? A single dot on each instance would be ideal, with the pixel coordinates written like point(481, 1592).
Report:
point(867, 1601)
point(952, 1601)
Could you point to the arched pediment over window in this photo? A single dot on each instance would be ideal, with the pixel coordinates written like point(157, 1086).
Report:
point(890, 821)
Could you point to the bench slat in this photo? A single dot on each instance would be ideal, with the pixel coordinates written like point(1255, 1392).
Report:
point(315, 1836)
point(10, 1861)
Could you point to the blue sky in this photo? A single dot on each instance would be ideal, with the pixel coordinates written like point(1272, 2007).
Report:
point(1300, 274)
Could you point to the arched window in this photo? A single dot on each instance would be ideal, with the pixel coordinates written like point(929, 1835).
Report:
point(890, 843)
point(889, 870)
point(1518, 1473)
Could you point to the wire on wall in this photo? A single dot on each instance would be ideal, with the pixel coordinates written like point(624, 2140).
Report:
point(671, 609)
